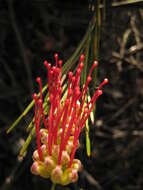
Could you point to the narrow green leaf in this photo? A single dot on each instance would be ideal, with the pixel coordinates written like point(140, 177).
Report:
point(73, 59)
point(29, 127)
point(88, 145)
point(98, 29)
point(84, 72)
point(27, 142)
point(127, 3)
point(92, 113)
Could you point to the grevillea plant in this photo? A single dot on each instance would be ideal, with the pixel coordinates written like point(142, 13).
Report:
point(58, 130)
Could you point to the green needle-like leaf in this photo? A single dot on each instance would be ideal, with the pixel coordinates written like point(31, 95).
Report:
point(88, 145)
point(27, 142)
point(92, 112)
point(84, 72)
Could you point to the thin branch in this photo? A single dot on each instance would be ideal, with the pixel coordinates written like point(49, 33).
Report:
point(91, 180)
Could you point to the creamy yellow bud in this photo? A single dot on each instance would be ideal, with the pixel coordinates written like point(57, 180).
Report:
point(65, 178)
point(35, 156)
point(65, 158)
point(73, 176)
point(76, 164)
point(44, 139)
point(56, 175)
point(38, 168)
point(43, 170)
point(49, 164)
point(43, 132)
point(35, 168)
point(44, 150)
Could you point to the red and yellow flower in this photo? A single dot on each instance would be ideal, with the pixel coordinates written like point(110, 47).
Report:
point(58, 132)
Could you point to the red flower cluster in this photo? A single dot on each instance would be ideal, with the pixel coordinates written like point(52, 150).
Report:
point(58, 141)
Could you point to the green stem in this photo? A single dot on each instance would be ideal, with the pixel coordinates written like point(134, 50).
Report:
point(53, 186)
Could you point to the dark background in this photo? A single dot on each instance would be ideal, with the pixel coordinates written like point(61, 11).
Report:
point(31, 31)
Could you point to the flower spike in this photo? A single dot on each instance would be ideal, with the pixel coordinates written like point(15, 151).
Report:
point(58, 131)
